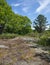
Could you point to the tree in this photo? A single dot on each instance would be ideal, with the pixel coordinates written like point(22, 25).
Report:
point(11, 22)
point(5, 9)
point(40, 23)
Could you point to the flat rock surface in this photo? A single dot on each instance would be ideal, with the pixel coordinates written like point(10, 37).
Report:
point(18, 51)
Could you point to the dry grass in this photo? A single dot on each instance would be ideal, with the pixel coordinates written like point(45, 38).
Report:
point(18, 50)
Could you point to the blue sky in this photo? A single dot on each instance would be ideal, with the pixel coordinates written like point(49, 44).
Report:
point(31, 8)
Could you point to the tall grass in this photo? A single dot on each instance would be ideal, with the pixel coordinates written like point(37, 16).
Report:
point(44, 40)
point(7, 35)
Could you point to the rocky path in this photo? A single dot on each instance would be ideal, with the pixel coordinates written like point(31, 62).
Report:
point(23, 51)
point(40, 51)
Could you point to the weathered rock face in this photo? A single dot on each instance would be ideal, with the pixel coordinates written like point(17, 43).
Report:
point(18, 52)
point(3, 46)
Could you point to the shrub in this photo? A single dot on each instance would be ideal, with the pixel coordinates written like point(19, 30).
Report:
point(44, 40)
point(33, 34)
point(7, 36)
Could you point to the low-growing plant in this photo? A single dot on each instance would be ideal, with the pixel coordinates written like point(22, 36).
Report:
point(7, 36)
point(33, 34)
point(44, 40)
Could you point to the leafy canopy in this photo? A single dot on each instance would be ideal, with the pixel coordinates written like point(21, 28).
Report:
point(11, 22)
point(40, 23)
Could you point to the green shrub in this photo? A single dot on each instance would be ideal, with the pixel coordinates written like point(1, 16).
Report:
point(48, 41)
point(7, 36)
point(44, 40)
point(33, 34)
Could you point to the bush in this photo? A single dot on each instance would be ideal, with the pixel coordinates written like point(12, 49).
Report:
point(48, 41)
point(33, 34)
point(7, 36)
point(44, 40)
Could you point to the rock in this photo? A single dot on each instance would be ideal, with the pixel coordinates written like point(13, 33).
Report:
point(3, 46)
point(43, 56)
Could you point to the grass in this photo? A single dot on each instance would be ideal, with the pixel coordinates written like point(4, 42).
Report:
point(18, 51)
point(44, 40)
point(7, 35)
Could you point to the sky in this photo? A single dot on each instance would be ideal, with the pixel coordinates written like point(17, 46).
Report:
point(31, 8)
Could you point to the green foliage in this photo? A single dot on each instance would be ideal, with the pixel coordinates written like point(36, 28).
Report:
point(44, 40)
point(7, 35)
point(18, 25)
point(4, 14)
point(40, 23)
point(33, 34)
point(11, 22)
point(46, 33)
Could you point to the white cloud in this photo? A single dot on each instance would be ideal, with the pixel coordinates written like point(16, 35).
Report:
point(26, 5)
point(16, 12)
point(43, 4)
point(47, 27)
point(47, 10)
point(15, 5)
point(25, 9)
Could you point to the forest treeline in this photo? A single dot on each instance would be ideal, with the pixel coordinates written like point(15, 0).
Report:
point(11, 22)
